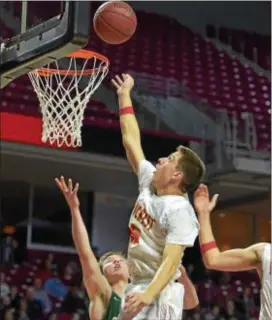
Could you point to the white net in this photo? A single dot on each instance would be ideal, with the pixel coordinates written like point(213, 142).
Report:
point(63, 96)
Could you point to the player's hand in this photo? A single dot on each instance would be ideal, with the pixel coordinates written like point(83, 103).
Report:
point(69, 192)
point(183, 272)
point(202, 201)
point(183, 276)
point(123, 83)
point(135, 302)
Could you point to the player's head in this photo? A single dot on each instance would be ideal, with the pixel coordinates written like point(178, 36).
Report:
point(114, 267)
point(182, 170)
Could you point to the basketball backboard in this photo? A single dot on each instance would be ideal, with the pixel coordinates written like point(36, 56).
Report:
point(54, 38)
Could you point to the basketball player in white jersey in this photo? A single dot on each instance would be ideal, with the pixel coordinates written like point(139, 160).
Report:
point(257, 256)
point(163, 222)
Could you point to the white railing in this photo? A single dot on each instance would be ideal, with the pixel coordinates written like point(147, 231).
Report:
point(235, 137)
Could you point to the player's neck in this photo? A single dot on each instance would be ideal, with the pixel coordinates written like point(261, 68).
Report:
point(119, 287)
point(169, 191)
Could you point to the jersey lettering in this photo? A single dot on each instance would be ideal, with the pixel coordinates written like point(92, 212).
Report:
point(140, 214)
point(135, 234)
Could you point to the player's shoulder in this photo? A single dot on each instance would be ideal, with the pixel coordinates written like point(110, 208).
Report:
point(178, 203)
point(145, 165)
point(180, 207)
point(145, 169)
point(259, 248)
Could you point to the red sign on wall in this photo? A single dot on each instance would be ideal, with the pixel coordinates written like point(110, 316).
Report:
point(23, 129)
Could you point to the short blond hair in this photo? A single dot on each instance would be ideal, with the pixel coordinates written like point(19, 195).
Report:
point(192, 167)
point(108, 254)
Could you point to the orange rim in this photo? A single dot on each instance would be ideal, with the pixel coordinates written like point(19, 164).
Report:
point(80, 54)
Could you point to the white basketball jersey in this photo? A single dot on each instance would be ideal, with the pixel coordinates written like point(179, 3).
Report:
point(266, 293)
point(155, 222)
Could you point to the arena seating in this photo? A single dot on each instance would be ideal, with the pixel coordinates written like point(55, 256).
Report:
point(255, 47)
point(171, 50)
point(19, 97)
point(210, 291)
point(167, 49)
point(33, 267)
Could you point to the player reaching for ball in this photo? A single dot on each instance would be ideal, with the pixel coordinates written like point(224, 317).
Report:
point(256, 257)
point(106, 280)
point(163, 222)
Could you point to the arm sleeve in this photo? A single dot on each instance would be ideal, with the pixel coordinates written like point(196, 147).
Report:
point(182, 227)
point(145, 174)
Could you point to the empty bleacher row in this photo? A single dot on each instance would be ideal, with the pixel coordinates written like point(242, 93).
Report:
point(166, 48)
point(253, 46)
point(170, 50)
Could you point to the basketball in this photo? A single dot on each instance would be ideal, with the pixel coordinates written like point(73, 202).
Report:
point(115, 22)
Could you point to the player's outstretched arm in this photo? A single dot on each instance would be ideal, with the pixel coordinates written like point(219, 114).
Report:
point(190, 299)
point(131, 136)
point(94, 281)
point(171, 259)
point(230, 260)
point(182, 231)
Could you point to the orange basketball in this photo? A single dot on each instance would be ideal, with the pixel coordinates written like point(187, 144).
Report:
point(115, 22)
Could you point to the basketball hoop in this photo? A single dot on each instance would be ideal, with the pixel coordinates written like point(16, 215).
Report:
point(64, 92)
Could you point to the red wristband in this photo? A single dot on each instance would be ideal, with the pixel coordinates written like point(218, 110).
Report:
point(207, 246)
point(126, 110)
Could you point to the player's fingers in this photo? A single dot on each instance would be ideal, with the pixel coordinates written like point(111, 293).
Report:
point(205, 190)
point(70, 185)
point(115, 84)
point(182, 269)
point(64, 186)
point(214, 200)
point(126, 303)
point(130, 309)
point(124, 76)
point(60, 185)
point(119, 80)
point(126, 308)
point(76, 188)
point(198, 191)
point(136, 308)
point(129, 296)
point(129, 302)
point(130, 77)
point(135, 304)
